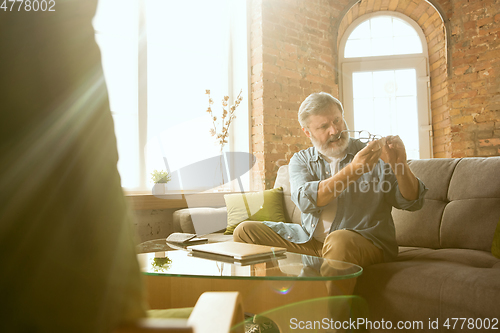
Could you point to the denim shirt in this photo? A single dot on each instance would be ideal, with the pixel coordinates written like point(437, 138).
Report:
point(364, 207)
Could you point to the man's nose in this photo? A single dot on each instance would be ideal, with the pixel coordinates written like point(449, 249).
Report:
point(333, 129)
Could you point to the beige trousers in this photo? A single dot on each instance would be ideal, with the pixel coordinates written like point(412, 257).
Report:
point(343, 245)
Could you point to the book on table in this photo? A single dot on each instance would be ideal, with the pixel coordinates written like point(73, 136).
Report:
point(185, 239)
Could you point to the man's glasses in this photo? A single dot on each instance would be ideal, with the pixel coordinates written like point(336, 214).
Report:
point(364, 136)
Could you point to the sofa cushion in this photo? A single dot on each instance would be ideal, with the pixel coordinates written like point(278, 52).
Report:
point(461, 208)
point(256, 206)
point(472, 258)
point(495, 246)
point(422, 227)
point(419, 228)
point(470, 223)
point(206, 219)
point(292, 212)
point(470, 219)
point(427, 282)
point(475, 178)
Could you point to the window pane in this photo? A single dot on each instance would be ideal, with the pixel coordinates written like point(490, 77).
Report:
point(381, 27)
point(363, 83)
point(126, 131)
point(393, 108)
point(181, 66)
point(401, 28)
point(364, 117)
point(383, 83)
point(119, 59)
point(406, 82)
point(115, 24)
point(382, 35)
point(382, 114)
point(358, 48)
point(382, 46)
point(407, 124)
point(407, 45)
point(361, 31)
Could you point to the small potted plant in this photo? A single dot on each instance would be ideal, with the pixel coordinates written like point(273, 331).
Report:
point(160, 178)
point(161, 263)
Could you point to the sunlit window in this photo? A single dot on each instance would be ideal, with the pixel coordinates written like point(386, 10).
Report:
point(389, 94)
point(183, 48)
point(382, 35)
point(385, 102)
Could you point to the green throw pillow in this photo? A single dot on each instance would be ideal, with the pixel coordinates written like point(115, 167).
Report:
point(495, 247)
point(258, 206)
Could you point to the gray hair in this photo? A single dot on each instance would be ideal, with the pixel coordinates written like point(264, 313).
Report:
point(316, 104)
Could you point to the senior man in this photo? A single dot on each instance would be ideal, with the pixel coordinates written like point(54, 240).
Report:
point(345, 190)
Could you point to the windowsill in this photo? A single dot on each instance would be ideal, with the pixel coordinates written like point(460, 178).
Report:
point(146, 200)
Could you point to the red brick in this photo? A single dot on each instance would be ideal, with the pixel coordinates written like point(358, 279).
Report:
point(470, 25)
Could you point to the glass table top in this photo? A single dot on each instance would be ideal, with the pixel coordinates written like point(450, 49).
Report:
point(165, 260)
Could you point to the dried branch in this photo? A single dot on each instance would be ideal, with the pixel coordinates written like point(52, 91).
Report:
point(226, 118)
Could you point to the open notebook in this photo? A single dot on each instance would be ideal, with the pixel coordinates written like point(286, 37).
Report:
point(238, 251)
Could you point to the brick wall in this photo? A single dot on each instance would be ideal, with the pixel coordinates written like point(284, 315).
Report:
point(474, 84)
point(292, 57)
point(293, 54)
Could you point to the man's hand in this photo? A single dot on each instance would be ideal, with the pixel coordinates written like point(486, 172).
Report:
point(394, 151)
point(367, 158)
point(364, 161)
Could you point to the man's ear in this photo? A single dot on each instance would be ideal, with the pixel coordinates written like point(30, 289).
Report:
point(308, 134)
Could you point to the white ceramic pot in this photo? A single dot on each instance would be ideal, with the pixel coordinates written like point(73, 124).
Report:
point(159, 188)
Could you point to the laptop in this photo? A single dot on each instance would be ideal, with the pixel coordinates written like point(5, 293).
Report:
point(231, 260)
point(238, 251)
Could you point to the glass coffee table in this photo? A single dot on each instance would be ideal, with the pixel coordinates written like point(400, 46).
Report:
point(175, 279)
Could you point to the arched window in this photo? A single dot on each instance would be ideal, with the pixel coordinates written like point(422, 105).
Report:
point(385, 82)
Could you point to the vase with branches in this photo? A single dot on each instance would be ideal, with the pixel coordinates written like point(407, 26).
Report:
point(222, 123)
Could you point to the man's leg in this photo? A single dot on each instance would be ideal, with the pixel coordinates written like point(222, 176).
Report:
point(349, 246)
point(258, 233)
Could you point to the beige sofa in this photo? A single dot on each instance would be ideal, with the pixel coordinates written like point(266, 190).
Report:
point(445, 268)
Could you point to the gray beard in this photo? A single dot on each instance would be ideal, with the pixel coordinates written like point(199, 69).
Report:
point(332, 152)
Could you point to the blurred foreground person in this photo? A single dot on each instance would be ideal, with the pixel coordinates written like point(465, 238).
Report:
point(66, 242)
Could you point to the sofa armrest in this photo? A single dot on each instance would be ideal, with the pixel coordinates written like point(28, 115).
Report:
point(213, 312)
point(205, 219)
point(156, 325)
point(217, 312)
